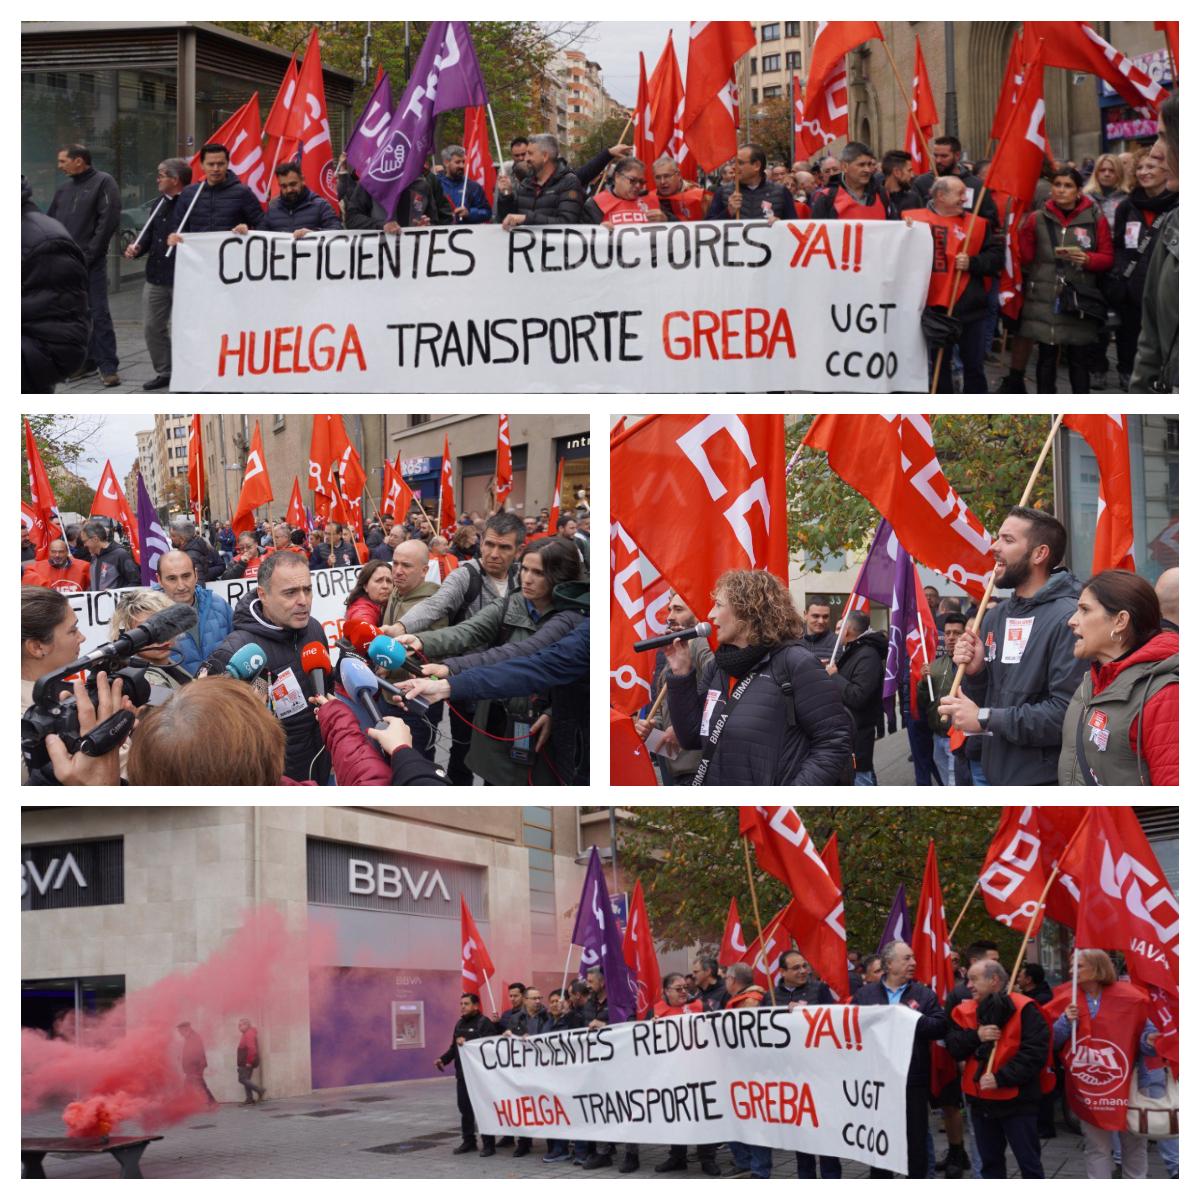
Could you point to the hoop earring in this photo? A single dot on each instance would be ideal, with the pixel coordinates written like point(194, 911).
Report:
point(1112, 633)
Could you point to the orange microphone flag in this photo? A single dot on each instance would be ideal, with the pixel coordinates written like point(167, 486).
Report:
point(110, 501)
point(1108, 436)
point(256, 485)
point(710, 101)
point(504, 467)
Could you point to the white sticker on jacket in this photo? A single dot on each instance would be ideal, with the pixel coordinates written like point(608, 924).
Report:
point(1016, 638)
point(287, 698)
point(710, 703)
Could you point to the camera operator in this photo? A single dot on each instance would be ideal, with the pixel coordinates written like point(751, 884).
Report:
point(50, 639)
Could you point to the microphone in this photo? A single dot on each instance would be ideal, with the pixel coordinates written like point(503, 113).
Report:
point(356, 677)
point(247, 663)
point(416, 705)
point(162, 626)
point(703, 629)
point(359, 633)
point(392, 655)
point(314, 658)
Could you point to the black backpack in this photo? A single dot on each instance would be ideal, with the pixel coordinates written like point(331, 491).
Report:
point(783, 682)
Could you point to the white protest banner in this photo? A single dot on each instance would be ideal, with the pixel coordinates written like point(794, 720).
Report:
point(830, 306)
point(825, 1079)
point(331, 586)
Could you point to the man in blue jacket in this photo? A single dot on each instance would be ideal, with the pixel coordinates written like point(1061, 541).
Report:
point(222, 200)
point(466, 196)
point(177, 579)
point(295, 210)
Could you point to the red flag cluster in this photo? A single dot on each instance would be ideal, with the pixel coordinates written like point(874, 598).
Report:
point(45, 523)
point(256, 485)
point(710, 112)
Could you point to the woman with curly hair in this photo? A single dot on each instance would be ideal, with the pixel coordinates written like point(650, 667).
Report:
point(764, 711)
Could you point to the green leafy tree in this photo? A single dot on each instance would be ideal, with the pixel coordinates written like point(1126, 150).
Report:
point(62, 443)
point(986, 457)
point(599, 136)
point(691, 862)
point(771, 127)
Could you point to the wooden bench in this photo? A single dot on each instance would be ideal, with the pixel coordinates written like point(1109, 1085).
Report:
point(127, 1151)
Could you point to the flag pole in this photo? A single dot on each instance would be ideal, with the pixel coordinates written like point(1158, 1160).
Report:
point(487, 983)
point(991, 583)
point(179, 228)
point(908, 92)
point(1074, 993)
point(161, 201)
point(921, 631)
point(496, 135)
point(762, 941)
point(566, 970)
point(662, 695)
point(954, 927)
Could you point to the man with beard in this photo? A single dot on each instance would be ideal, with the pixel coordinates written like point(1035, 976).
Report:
point(59, 570)
point(471, 1025)
point(947, 156)
point(1022, 663)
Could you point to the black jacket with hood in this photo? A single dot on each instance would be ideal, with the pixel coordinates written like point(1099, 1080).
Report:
point(114, 567)
point(305, 754)
point(1028, 698)
point(860, 677)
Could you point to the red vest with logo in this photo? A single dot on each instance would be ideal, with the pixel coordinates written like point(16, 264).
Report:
point(967, 1015)
point(663, 1009)
point(949, 240)
point(687, 205)
point(627, 212)
point(849, 209)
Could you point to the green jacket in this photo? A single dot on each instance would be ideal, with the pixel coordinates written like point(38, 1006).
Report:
point(941, 671)
point(1045, 274)
point(1156, 368)
point(398, 605)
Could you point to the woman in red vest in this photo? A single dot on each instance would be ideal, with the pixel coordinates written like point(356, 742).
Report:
point(628, 203)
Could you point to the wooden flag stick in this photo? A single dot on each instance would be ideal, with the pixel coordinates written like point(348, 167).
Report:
point(954, 927)
point(658, 703)
point(908, 92)
point(762, 941)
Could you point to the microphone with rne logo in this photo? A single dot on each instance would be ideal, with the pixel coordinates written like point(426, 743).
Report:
point(703, 629)
point(314, 658)
point(247, 664)
point(359, 633)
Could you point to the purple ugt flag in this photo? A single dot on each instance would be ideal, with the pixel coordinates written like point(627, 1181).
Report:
point(371, 126)
point(877, 573)
point(446, 76)
point(596, 931)
point(901, 619)
point(897, 928)
point(153, 540)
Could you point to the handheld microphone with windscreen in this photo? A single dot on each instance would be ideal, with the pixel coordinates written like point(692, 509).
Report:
point(314, 658)
point(391, 655)
point(360, 683)
point(703, 629)
point(359, 633)
point(246, 664)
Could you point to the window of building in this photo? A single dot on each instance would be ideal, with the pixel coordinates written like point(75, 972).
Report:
point(773, 92)
point(754, 95)
point(180, 431)
point(791, 29)
point(537, 833)
point(753, 65)
point(769, 33)
point(278, 422)
point(770, 63)
point(793, 60)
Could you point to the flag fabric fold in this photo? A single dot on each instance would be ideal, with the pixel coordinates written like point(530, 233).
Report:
point(477, 966)
point(151, 535)
point(371, 125)
point(897, 927)
point(307, 126)
point(667, 102)
point(1108, 436)
point(596, 933)
point(504, 467)
point(733, 941)
point(1076, 46)
point(41, 494)
point(241, 135)
point(923, 114)
point(447, 517)
point(256, 485)
point(637, 610)
point(195, 470)
point(710, 119)
point(109, 501)
point(640, 956)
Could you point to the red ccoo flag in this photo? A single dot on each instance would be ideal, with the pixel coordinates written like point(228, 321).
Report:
point(397, 495)
point(241, 135)
point(109, 501)
point(823, 116)
point(35, 527)
point(628, 757)
point(786, 850)
point(666, 111)
point(276, 124)
point(447, 518)
point(923, 114)
point(480, 167)
point(640, 596)
point(256, 485)
point(834, 40)
point(763, 955)
point(725, 470)
point(709, 112)
point(892, 462)
point(833, 864)
point(477, 966)
point(296, 516)
point(195, 470)
point(322, 463)
point(1108, 436)
point(41, 495)
point(639, 955)
point(556, 504)
point(931, 949)
point(504, 470)
point(1076, 46)
point(307, 126)
point(643, 121)
point(733, 943)
point(1010, 89)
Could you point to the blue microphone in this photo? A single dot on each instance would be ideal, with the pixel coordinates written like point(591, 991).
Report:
point(392, 655)
point(356, 677)
point(247, 664)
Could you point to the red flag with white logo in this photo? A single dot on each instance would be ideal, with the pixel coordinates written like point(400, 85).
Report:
point(931, 949)
point(504, 467)
point(397, 495)
point(256, 485)
point(785, 850)
point(556, 503)
point(447, 517)
point(733, 942)
point(322, 462)
point(41, 495)
point(639, 954)
point(710, 103)
point(923, 114)
point(1076, 46)
point(643, 128)
point(629, 760)
point(1017, 163)
point(726, 472)
point(241, 135)
point(35, 527)
point(833, 41)
point(352, 478)
point(477, 966)
point(296, 516)
point(824, 113)
point(892, 462)
point(276, 124)
point(833, 864)
point(1010, 89)
point(640, 596)
point(1108, 436)
point(195, 469)
point(480, 167)
point(666, 111)
point(307, 126)
point(763, 953)
point(109, 501)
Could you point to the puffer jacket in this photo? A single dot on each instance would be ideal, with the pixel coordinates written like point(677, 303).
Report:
point(1139, 218)
point(213, 625)
point(1157, 366)
point(306, 211)
point(558, 201)
point(55, 313)
point(762, 743)
point(305, 755)
point(208, 563)
point(89, 205)
point(860, 678)
point(1028, 699)
point(363, 211)
point(218, 209)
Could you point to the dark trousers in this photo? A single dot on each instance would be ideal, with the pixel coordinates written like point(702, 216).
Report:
point(197, 1084)
point(972, 347)
point(806, 1166)
point(468, 1113)
point(1076, 358)
point(102, 346)
point(679, 1153)
point(423, 730)
point(1128, 333)
point(1019, 1133)
point(920, 742)
point(916, 1120)
point(246, 1079)
point(458, 773)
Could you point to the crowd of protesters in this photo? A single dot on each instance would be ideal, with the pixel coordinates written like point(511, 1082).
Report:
point(1099, 253)
point(497, 627)
point(1089, 696)
point(1011, 1100)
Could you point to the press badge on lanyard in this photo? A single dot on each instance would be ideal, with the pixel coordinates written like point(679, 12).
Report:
point(710, 705)
point(1016, 638)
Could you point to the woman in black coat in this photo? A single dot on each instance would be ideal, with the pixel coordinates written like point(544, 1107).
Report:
point(764, 711)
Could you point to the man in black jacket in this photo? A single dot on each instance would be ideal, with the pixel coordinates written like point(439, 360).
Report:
point(550, 195)
point(421, 203)
point(295, 210)
point(209, 564)
point(856, 194)
point(898, 987)
point(471, 1026)
point(859, 673)
point(278, 618)
point(753, 197)
point(897, 180)
point(1004, 1041)
point(89, 205)
point(55, 321)
point(112, 566)
point(818, 638)
point(570, 1016)
point(710, 991)
point(221, 200)
point(947, 151)
point(158, 291)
